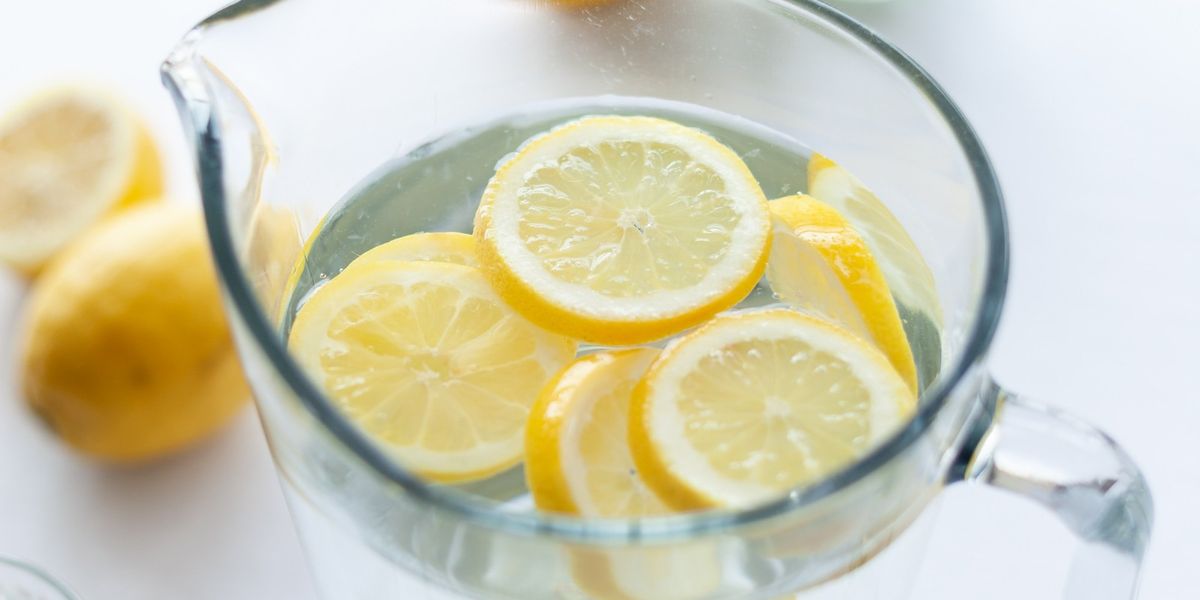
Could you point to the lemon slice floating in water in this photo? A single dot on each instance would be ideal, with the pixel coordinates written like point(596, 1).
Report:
point(437, 246)
point(621, 230)
point(576, 445)
point(426, 359)
point(905, 270)
point(820, 263)
point(578, 462)
point(755, 403)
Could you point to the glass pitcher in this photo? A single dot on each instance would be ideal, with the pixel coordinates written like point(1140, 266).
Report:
point(290, 103)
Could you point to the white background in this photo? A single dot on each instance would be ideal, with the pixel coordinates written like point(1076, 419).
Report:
point(1091, 112)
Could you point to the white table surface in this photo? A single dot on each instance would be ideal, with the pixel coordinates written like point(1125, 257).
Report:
point(1091, 112)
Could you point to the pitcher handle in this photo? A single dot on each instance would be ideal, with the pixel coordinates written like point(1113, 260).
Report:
point(1080, 474)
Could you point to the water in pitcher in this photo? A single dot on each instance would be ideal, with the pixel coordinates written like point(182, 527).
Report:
point(826, 257)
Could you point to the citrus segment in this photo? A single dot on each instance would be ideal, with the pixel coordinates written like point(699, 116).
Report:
point(426, 359)
point(820, 263)
point(756, 403)
point(622, 230)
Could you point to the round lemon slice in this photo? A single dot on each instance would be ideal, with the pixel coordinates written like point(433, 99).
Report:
point(577, 461)
point(577, 458)
point(820, 263)
point(622, 230)
point(905, 269)
point(438, 246)
point(426, 359)
point(67, 158)
point(756, 403)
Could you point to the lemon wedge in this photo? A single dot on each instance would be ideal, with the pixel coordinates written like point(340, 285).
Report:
point(577, 458)
point(68, 157)
point(438, 246)
point(820, 263)
point(621, 230)
point(756, 403)
point(905, 270)
point(426, 359)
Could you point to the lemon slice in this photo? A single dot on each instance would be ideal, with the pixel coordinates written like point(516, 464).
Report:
point(426, 359)
point(578, 461)
point(580, 4)
point(67, 158)
point(756, 403)
point(577, 458)
point(902, 264)
point(681, 571)
point(622, 230)
point(820, 263)
point(439, 246)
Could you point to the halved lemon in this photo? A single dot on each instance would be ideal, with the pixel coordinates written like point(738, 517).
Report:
point(426, 359)
point(820, 263)
point(622, 230)
point(905, 270)
point(759, 402)
point(67, 158)
point(577, 458)
point(439, 246)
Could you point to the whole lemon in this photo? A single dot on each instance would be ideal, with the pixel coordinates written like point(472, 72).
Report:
point(126, 353)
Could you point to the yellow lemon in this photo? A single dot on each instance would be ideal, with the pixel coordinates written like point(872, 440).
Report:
point(621, 230)
point(577, 458)
point(68, 157)
point(439, 246)
point(126, 354)
point(820, 263)
point(681, 571)
point(578, 461)
point(905, 270)
point(756, 403)
point(430, 362)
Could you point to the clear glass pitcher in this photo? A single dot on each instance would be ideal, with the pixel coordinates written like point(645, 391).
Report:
point(290, 103)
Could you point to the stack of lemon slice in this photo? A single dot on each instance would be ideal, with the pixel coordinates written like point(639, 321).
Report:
point(458, 352)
